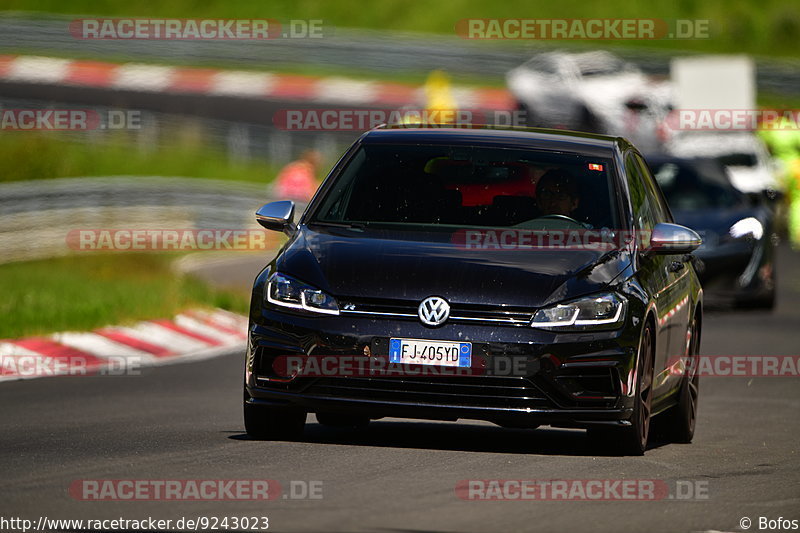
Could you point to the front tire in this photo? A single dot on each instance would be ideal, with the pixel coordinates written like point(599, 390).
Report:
point(765, 302)
point(632, 440)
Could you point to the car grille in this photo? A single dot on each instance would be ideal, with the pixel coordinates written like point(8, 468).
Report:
point(462, 391)
point(406, 310)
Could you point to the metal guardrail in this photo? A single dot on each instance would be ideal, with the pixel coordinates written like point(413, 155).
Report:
point(241, 141)
point(37, 216)
point(379, 51)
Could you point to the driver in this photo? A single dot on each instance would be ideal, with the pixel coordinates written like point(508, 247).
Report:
point(557, 193)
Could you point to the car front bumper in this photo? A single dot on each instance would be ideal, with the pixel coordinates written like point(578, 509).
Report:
point(519, 376)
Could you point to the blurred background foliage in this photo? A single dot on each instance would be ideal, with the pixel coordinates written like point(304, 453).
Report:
point(767, 27)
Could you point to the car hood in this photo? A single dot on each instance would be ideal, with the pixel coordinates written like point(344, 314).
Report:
point(369, 263)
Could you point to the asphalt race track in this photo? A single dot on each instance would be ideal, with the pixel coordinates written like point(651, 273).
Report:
point(184, 422)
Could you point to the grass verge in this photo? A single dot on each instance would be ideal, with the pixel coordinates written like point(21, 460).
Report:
point(81, 293)
point(26, 155)
point(769, 27)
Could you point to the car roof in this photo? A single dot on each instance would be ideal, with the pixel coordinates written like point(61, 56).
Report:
point(507, 137)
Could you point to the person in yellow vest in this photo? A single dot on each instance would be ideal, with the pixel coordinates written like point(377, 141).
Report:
point(783, 141)
point(440, 104)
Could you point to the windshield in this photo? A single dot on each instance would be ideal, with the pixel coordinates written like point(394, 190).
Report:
point(545, 65)
point(438, 186)
point(695, 186)
point(740, 159)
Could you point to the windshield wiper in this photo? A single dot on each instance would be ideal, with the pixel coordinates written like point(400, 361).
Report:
point(347, 225)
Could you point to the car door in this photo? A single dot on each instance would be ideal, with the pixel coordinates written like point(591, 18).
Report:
point(676, 299)
point(653, 271)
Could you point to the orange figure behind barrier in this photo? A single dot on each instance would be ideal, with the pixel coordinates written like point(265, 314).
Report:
point(298, 179)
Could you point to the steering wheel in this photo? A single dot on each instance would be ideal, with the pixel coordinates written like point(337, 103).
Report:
point(562, 217)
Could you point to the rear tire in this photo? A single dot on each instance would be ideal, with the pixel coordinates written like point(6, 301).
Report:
point(766, 302)
point(679, 421)
point(263, 422)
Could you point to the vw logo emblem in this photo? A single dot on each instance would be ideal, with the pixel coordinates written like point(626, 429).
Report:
point(433, 311)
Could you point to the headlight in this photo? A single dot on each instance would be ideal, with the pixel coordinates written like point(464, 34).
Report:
point(747, 226)
point(602, 310)
point(285, 291)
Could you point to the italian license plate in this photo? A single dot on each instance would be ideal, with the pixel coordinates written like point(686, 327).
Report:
point(422, 352)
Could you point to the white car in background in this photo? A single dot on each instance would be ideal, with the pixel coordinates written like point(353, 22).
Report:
point(744, 156)
point(590, 91)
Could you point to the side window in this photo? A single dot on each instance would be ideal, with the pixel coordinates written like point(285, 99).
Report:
point(642, 209)
point(655, 196)
point(644, 218)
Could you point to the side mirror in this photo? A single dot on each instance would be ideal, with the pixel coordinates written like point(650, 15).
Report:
point(773, 195)
point(277, 216)
point(636, 105)
point(673, 239)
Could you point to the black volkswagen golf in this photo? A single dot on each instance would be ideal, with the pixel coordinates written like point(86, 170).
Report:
point(518, 276)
